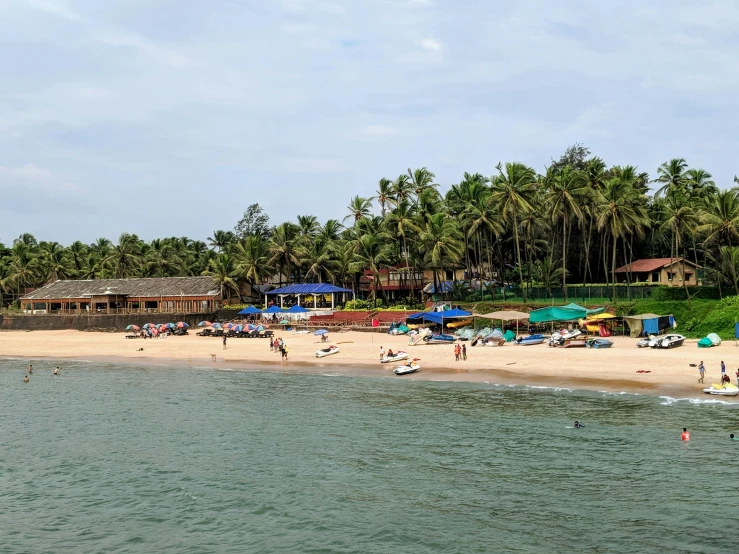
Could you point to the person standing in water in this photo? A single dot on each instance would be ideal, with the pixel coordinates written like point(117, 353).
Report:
point(56, 370)
point(25, 379)
point(30, 369)
point(702, 371)
point(685, 436)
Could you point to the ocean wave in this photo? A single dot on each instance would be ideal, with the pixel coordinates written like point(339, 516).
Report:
point(669, 400)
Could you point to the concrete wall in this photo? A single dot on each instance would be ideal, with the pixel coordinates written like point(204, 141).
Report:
point(94, 322)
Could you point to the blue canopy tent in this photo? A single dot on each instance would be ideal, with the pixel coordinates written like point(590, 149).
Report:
point(250, 310)
point(296, 309)
point(274, 310)
point(303, 289)
point(439, 317)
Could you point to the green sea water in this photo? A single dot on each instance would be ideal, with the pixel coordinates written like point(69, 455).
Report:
point(116, 459)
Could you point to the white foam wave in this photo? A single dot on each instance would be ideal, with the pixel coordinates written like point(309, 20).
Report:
point(669, 400)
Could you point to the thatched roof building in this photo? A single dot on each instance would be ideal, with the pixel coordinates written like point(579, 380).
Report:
point(165, 294)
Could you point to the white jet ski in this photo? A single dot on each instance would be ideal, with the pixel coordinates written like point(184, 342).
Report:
point(396, 357)
point(410, 367)
point(327, 351)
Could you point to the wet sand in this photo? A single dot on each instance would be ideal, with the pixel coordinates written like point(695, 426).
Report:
point(613, 369)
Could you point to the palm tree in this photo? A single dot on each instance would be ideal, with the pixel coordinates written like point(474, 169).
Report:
point(402, 189)
point(442, 241)
point(359, 208)
point(373, 251)
point(681, 220)
point(222, 240)
point(621, 212)
point(511, 191)
point(700, 184)
point(222, 269)
point(402, 221)
point(671, 175)
point(384, 194)
point(124, 258)
point(422, 180)
point(283, 250)
point(161, 259)
point(568, 190)
point(250, 258)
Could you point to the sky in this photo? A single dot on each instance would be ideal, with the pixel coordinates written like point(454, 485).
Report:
point(169, 117)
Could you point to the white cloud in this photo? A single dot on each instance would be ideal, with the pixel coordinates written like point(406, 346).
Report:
point(53, 8)
point(31, 176)
point(430, 44)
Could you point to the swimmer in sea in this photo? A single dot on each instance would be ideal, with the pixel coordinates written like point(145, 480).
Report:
point(25, 379)
point(732, 437)
point(578, 425)
point(685, 435)
point(56, 370)
point(30, 369)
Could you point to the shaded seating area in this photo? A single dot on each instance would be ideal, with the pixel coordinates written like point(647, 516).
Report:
point(308, 295)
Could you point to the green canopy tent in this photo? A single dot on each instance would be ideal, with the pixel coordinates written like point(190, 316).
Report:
point(570, 312)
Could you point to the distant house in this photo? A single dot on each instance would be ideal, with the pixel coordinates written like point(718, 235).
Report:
point(400, 281)
point(665, 271)
point(111, 296)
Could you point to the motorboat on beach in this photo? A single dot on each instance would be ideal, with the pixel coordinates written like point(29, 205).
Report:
point(727, 389)
point(531, 339)
point(493, 341)
point(410, 367)
point(574, 343)
point(330, 351)
point(598, 343)
point(439, 339)
point(396, 357)
point(558, 339)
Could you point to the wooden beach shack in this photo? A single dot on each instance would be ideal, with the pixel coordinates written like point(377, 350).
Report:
point(125, 296)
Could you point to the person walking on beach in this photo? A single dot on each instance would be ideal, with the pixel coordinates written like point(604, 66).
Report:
point(723, 371)
point(464, 352)
point(702, 371)
point(284, 351)
point(382, 353)
point(224, 342)
point(456, 352)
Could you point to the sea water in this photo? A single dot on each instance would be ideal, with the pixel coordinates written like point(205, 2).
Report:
point(108, 458)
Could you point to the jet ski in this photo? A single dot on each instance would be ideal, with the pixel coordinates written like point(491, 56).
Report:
point(396, 357)
point(727, 389)
point(327, 351)
point(410, 367)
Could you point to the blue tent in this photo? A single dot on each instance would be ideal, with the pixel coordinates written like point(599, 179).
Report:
point(439, 317)
point(250, 310)
point(297, 309)
point(274, 310)
point(309, 288)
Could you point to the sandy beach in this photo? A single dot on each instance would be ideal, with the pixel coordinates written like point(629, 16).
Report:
point(607, 369)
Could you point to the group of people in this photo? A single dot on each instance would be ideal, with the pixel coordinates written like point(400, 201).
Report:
point(460, 352)
point(724, 377)
point(278, 345)
point(30, 372)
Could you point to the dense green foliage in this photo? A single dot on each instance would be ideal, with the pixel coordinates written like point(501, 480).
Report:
point(575, 223)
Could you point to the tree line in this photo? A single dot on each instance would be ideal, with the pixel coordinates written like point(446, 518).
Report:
point(576, 222)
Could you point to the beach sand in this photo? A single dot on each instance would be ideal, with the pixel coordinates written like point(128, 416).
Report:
point(613, 369)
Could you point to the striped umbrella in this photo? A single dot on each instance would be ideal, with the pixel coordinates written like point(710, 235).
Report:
point(182, 325)
point(204, 324)
point(216, 326)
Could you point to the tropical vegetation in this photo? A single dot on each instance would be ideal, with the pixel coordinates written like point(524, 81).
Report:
point(575, 222)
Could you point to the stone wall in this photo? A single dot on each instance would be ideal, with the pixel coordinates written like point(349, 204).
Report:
point(85, 322)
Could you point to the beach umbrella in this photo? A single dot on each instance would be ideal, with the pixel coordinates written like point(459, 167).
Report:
point(216, 326)
point(284, 322)
point(321, 332)
point(237, 328)
point(169, 326)
point(132, 328)
point(204, 324)
point(250, 327)
point(149, 325)
point(273, 310)
point(229, 325)
point(260, 328)
point(182, 325)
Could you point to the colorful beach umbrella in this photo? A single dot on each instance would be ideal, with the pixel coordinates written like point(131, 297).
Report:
point(133, 328)
point(250, 327)
point(204, 324)
point(261, 328)
point(237, 328)
point(169, 325)
point(216, 326)
point(149, 325)
point(182, 325)
point(321, 332)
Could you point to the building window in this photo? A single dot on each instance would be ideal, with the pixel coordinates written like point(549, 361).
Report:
point(655, 277)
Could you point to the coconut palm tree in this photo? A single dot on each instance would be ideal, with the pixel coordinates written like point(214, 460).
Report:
point(700, 184)
point(250, 259)
point(671, 175)
point(222, 240)
point(512, 189)
point(359, 208)
point(442, 242)
point(384, 194)
point(283, 249)
point(373, 251)
point(223, 270)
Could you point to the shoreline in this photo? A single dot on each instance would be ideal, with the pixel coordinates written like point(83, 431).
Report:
point(607, 370)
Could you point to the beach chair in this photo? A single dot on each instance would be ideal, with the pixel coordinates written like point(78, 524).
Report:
point(267, 334)
point(205, 333)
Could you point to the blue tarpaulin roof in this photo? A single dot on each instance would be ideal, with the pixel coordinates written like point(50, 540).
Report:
point(438, 317)
point(297, 309)
point(273, 310)
point(309, 288)
point(250, 310)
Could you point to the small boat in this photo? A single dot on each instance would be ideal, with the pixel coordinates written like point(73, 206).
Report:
point(574, 343)
point(558, 339)
point(459, 324)
point(439, 339)
point(727, 389)
point(410, 367)
point(396, 357)
point(599, 343)
point(493, 341)
point(327, 351)
point(532, 339)
point(668, 341)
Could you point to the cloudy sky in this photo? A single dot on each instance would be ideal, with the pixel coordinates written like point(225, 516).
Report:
point(169, 117)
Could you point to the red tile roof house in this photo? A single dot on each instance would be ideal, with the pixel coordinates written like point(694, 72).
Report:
point(665, 271)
